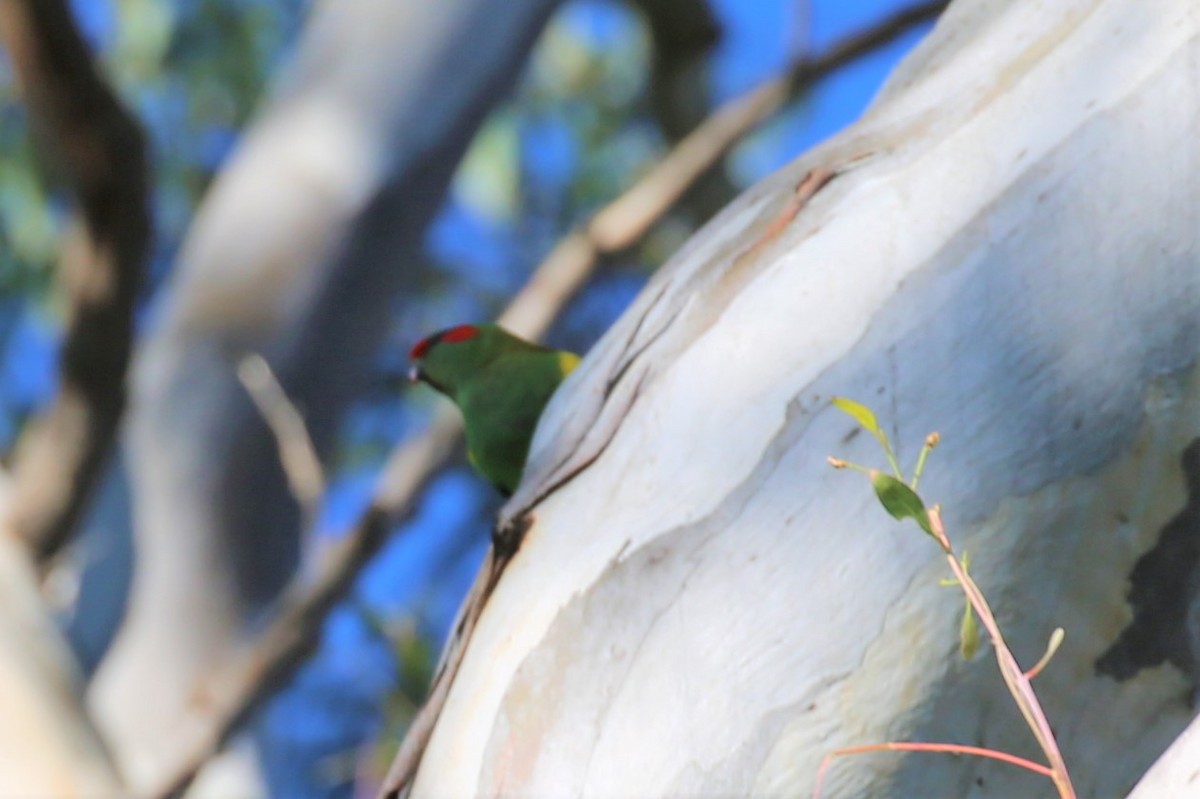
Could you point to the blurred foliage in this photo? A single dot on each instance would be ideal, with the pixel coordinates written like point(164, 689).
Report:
point(29, 224)
point(192, 71)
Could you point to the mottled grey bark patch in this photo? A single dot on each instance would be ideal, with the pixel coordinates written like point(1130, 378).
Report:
point(1163, 588)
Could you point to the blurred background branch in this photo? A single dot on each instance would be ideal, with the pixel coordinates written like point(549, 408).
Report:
point(51, 745)
point(100, 150)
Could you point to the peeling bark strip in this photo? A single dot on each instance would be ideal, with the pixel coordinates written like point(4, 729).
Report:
point(806, 189)
point(103, 152)
point(400, 775)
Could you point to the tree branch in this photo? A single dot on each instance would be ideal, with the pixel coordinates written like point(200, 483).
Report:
point(619, 225)
point(103, 152)
point(297, 453)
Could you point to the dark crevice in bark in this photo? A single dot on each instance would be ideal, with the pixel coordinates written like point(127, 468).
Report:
point(1164, 588)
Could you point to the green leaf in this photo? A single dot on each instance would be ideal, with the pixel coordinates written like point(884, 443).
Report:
point(899, 500)
point(861, 413)
point(968, 633)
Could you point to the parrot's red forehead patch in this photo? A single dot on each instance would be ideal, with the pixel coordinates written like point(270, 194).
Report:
point(450, 336)
point(460, 333)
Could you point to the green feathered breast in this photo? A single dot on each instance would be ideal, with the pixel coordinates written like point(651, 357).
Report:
point(501, 385)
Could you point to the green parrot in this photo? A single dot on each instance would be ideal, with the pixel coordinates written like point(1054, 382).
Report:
point(500, 383)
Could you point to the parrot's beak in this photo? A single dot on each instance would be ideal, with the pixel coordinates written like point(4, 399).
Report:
point(414, 374)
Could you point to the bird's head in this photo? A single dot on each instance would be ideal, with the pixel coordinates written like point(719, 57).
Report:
point(450, 357)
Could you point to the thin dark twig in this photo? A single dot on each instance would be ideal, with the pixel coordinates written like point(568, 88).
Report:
point(804, 72)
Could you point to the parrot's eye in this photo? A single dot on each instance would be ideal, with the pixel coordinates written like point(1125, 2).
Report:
point(450, 336)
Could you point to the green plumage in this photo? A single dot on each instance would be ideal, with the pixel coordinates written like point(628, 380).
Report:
point(501, 384)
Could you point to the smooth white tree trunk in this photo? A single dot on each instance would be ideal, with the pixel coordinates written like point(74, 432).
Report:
point(1010, 255)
